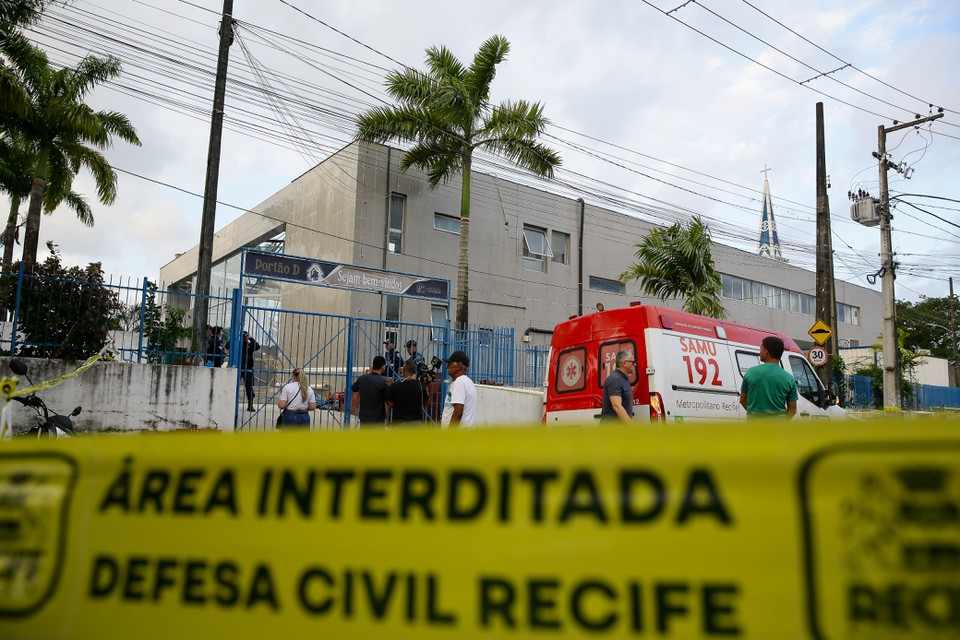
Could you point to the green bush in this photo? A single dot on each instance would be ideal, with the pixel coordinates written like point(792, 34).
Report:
point(65, 312)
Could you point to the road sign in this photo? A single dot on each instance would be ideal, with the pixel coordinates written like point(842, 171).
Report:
point(820, 331)
point(817, 356)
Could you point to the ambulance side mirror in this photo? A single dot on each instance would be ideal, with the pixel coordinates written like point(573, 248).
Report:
point(834, 393)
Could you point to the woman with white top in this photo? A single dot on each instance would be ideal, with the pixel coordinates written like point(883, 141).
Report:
point(296, 401)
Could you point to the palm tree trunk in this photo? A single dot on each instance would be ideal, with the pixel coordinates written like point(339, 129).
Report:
point(463, 265)
point(9, 234)
point(31, 236)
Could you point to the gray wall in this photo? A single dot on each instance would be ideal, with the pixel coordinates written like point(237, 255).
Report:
point(347, 196)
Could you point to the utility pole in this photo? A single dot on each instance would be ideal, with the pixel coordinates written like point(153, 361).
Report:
point(208, 220)
point(955, 365)
point(891, 354)
point(826, 285)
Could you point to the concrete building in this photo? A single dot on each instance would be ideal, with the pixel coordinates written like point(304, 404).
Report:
point(528, 249)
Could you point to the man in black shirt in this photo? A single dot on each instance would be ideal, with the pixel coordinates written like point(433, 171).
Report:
point(247, 346)
point(617, 391)
point(407, 397)
point(370, 394)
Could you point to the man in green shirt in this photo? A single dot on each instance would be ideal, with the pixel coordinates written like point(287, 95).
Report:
point(767, 390)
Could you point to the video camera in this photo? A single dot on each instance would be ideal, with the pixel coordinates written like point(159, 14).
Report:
point(426, 374)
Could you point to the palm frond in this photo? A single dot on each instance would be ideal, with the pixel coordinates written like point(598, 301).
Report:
point(117, 125)
point(492, 52)
point(439, 162)
point(411, 87)
point(517, 119)
point(676, 261)
point(91, 71)
point(530, 155)
point(103, 174)
point(21, 12)
point(444, 66)
point(407, 124)
point(80, 206)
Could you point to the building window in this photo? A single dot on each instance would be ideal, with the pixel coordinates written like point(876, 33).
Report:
point(536, 249)
point(443, 222)
point(732, 287)
point(398, 202)
point(393, 309)
point(560, 243)
point(769, 296)
point(606, 285)
point(438, 318)
point(848, 314)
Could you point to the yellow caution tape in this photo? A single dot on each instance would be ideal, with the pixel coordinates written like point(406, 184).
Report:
point(9, 387)
point(695, 531)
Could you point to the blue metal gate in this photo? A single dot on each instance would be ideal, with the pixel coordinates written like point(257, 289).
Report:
point(332, 351)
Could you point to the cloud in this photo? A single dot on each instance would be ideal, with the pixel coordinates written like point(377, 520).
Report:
point(619, 71)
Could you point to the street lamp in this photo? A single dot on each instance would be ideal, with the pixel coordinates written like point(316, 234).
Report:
point(953, 335)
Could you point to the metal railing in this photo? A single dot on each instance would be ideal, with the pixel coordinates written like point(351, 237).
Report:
point(72, 318)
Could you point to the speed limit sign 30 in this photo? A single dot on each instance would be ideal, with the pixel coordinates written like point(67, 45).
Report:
point(817, 356)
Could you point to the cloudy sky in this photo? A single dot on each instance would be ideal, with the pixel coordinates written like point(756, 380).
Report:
point(653, 104)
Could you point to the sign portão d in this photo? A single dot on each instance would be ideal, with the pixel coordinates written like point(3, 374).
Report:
point(333, 274)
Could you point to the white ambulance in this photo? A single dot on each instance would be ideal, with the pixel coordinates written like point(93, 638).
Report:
point(688, 367)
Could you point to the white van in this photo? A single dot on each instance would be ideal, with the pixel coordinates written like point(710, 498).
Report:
point(688, 367)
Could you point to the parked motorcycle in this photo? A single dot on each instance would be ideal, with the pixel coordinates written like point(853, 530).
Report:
point(49, 425)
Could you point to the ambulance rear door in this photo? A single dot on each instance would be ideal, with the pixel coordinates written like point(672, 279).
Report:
point(694, 375)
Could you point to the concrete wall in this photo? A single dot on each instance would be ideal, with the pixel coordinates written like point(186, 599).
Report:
point(508, 407)
point(132, 397)
point(931, 370)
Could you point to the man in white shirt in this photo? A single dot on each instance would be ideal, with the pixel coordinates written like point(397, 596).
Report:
point(460, 404)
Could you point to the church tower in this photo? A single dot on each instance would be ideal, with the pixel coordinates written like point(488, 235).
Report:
point(769, 244)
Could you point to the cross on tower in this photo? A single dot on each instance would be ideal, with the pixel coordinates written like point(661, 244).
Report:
point(765, 170)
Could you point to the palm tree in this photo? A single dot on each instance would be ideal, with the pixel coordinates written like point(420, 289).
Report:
point(676, 261)
point(446, 114)
point(14, 47)
point(67, 133)
point(14, 13)
point(17, 161)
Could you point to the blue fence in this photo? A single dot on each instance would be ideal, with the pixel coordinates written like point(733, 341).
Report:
point(860, 392)
point(531, 366)
point(70, 319)
point(926, 397)
point(929, 397)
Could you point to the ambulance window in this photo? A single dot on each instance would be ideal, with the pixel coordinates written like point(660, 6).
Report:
point(806, 379)
point(571, 370)
point(607, 360)
point(747, 360)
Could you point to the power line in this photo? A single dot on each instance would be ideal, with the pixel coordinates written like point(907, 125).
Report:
point(838, 59)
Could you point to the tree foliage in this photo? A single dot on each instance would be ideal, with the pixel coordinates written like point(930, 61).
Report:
point(677, 261)
point(445, 114)
point(65, 312)
point(926, 324)
point(162, 326)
